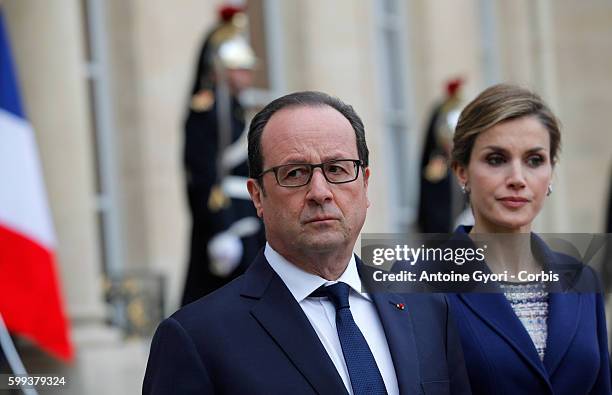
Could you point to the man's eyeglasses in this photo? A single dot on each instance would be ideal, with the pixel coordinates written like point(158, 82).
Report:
point(293, 175)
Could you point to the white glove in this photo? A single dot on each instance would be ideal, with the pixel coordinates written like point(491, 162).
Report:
point(247, 226)
point(225, 251)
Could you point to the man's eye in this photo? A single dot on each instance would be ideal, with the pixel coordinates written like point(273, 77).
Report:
point(336, 169)
point(296, 172)
point(495, 160)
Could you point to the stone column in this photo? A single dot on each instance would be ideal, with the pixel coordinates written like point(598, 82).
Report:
point(47, 41)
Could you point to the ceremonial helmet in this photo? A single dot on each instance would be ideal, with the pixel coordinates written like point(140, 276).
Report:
point(225, 47)
point(449, 114)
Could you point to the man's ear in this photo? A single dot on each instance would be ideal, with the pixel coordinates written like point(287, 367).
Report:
point(256, 192)
point(366, 180)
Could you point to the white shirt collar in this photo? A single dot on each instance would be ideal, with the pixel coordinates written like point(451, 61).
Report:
point(301, 283)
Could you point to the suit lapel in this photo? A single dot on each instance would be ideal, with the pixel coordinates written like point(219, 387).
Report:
point(563, 316)
point(283, 319)
point(563, 305)
point(399, 332)
point(494, 309)
point(397, 324)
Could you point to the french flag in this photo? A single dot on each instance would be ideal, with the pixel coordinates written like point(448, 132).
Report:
point(30, 298)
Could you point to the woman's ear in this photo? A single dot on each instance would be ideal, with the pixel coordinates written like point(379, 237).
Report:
point(461, 173)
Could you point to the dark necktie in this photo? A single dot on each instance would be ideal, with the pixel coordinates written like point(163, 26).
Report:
point(363, 371)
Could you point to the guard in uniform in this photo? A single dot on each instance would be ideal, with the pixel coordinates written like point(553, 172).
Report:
point(226, 233)
point(441, 201)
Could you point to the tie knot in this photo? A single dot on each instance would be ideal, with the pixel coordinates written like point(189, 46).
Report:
point(338, 293)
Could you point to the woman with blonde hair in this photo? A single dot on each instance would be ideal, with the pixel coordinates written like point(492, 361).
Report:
point(527, 338)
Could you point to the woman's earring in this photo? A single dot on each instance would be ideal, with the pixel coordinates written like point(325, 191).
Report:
point(465, 189)
point(549, 191)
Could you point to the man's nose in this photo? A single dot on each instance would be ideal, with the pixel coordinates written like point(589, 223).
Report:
point(319, 190)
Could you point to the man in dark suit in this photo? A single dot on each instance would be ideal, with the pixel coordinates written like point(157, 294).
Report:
point(298, 321)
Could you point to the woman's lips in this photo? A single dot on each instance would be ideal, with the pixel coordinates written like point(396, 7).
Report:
point(513, 201)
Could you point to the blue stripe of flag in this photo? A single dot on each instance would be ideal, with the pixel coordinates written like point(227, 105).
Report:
point(10, 100)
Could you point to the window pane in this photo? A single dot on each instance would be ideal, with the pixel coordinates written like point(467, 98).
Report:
point(394, 69)
point(257, 35)
point(390, 6)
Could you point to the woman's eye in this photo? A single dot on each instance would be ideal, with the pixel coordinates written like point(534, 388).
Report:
point(495, 160)
point(535, 160)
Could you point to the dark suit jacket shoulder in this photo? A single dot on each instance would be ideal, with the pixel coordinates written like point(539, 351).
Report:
point(251, 336)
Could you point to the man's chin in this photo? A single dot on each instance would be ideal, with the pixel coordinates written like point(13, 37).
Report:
point(323, 241)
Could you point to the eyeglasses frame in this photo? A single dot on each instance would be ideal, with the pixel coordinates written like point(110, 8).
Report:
point(357, 163)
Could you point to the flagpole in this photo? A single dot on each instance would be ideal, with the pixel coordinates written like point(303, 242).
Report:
point(10, 352)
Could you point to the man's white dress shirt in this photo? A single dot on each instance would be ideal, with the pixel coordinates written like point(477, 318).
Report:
point(322, 315)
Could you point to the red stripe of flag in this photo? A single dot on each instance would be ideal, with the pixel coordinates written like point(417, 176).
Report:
point(28, 275)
